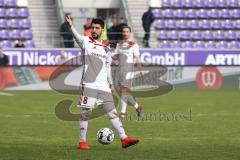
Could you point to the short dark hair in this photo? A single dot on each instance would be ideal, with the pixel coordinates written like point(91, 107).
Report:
point(128, 27)
point(98, 21)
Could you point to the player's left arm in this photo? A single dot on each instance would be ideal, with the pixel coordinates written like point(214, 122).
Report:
point(136, 53)
point(109, 73)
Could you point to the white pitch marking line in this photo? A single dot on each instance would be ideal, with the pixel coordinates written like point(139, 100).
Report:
point(6, 94)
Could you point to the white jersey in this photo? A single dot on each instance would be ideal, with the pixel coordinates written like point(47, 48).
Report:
point(129, 49)
point(97, 61)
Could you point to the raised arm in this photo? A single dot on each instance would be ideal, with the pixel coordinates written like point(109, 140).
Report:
point(78, 38)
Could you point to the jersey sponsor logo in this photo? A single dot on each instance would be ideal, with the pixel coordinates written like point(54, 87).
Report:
point(209, 78)
point(98, 55)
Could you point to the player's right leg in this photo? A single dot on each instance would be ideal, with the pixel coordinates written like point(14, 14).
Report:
point(86, 104)
point(126, 96)
point(83, 126)
point(109, 107)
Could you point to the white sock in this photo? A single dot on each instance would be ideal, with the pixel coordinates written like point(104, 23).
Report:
point(124, 103)
point(83, 125)
point(132, 101)
point(117, 124)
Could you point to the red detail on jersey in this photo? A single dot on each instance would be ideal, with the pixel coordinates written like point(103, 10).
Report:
point(91, 40)
point(105, 43)
point(131, 43)
point(100, 45)
point(82, 128)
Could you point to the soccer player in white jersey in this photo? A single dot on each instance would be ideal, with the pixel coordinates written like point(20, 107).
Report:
point(97, 82)
point(127, 53)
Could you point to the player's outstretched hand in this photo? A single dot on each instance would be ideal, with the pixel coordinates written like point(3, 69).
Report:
point(69, 20)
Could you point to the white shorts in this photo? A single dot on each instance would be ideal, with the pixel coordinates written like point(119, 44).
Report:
point(94, 97)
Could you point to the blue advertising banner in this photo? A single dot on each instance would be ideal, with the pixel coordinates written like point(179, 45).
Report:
point(43, 57)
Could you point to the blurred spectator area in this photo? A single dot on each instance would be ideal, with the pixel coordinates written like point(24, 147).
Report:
point(15, 23)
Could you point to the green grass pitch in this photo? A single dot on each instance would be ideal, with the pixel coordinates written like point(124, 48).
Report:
point(206, 127)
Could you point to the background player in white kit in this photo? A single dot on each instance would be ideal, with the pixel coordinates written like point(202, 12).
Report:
point(96, 81)
point(127, 53)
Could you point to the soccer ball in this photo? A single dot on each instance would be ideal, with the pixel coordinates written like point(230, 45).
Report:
point(105, 136)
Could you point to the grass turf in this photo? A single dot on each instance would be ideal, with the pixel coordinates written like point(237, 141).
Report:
point(29, 129)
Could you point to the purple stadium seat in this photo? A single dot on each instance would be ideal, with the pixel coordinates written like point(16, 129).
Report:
point(157, 13)
point(202, 13)
point(211, 45)
point(30, 44)
point(10, 3)
point(13, 23)
point(27, 34)
point(200, 3)
point(3, 23)
point(205, 24)
point(219, 35)
point(188, 44)
point(162, 35)
point(214, 13)
point(237, 24)
point(211, 3)
point(23, 13)
point(6, 44)
point(188, 3)
point(12, 13)
point(2, 13)
point(197, 35)
point(180, 13)
point(173, 35)
point(231, 35)
point(160, 24)
point(225, 13)
point(191, 13)
point(216, 24)
point(2, 3)
point(222, 3)
point(176, 44)
point(233, 3)
point(235, 13)
point(208, 35)
point(238, 35)
point(228, 24)
point(185, 35)
point(194, 24)
point(166, 3)
point(177, 3)
point(234, 45)
point(4, 34)
point(25, 23)
point(183, 24)
point(15, 34)
point(223, 45)
point(171, 24)
point(165, 44)
point(168, 13)
point(199, 44)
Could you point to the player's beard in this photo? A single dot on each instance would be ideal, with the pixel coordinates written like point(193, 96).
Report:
point(95, 36)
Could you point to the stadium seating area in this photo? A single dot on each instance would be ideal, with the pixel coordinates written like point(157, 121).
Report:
point(198, 24)
point(14, 24)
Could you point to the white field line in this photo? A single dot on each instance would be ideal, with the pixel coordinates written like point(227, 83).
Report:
point(6, 94)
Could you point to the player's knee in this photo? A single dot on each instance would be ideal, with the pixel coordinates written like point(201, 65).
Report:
point(84, 114)
point(112, 114)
